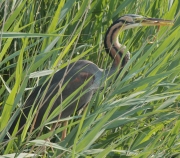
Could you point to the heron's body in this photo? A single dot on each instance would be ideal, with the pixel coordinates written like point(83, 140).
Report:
point(83, 75)
point(75, 75)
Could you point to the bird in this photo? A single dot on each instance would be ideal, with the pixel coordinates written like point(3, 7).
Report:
point(80, 79)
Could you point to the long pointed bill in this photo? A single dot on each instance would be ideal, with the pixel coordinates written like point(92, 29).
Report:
point(155, 22)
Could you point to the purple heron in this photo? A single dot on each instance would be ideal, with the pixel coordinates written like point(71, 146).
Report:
point(83, 72)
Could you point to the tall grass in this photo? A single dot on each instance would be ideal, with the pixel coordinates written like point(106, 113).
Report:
point(137, 116)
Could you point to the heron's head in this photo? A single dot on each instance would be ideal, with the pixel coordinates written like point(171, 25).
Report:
point(131, 20)
point(111, 42)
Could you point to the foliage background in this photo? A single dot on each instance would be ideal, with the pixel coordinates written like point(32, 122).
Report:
point(137, 116)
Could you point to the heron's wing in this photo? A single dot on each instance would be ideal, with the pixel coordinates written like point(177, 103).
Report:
point(81, 82)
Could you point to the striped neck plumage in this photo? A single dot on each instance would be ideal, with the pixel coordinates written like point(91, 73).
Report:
point(113, 47)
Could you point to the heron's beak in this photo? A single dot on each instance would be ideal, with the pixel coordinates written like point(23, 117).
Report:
point(155, 22)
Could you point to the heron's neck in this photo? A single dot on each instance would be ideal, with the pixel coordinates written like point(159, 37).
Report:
point(114, 48)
